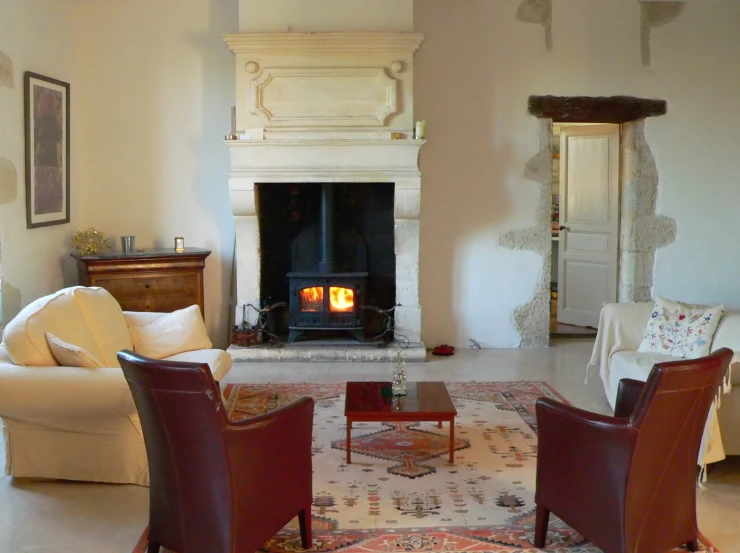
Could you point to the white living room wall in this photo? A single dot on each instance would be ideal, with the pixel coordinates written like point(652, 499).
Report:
point(37, 36)
point(156, 86)
point(473, 77)
point(310, 16)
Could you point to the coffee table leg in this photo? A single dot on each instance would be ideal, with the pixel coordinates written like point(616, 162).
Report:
point(349, 441)
point(452, 441)
point(439, 424)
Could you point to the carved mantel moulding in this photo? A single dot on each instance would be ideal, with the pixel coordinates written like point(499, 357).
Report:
point(327, 42)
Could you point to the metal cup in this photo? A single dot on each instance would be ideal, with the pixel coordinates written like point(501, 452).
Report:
point(128, 244)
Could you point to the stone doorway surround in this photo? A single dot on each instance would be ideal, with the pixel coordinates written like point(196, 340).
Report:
point(642, 231)
point(326, 108)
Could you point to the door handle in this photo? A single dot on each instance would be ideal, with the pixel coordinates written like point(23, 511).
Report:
point(562, 227)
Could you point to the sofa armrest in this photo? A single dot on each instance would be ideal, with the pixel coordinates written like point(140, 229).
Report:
point(627, 322)
point(40, 394)
point(621, 328)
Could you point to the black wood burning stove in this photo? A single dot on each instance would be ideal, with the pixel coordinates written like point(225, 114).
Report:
point(328, 277)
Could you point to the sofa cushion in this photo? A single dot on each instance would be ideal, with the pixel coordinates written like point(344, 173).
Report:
point(218, 360)
point(680, 329)
point(106, 322)
point(177, 332)
point(69, 355)
point(25, 335)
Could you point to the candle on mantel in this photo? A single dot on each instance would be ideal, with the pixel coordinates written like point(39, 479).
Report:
point(421, 130)
point(232, 135)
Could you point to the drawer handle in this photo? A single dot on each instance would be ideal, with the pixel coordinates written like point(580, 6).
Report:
point(146, 286)
point(148, 307)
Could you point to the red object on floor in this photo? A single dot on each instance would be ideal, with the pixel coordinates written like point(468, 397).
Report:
point(443, 350)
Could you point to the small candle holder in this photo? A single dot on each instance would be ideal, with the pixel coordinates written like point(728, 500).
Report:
point(232, 135)
point(179, 244)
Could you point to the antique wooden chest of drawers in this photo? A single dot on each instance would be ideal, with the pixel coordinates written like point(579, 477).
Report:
point(150, 280)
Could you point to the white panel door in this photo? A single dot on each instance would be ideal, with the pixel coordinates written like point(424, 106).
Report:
point(589, 222)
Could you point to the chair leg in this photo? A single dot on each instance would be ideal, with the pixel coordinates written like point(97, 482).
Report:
point(540, 526)
point(153, 548)
point(304, 521)
point(692, 545)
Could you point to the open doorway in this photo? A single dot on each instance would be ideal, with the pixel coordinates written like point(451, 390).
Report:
point(585, 225)
point(641, 229)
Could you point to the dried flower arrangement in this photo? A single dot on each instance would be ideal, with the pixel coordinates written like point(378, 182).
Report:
point(90, 242)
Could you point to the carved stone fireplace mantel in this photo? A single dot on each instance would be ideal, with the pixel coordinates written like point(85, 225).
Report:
point(327, 108)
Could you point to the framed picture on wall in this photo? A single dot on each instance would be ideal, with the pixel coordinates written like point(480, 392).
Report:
point(47, 150)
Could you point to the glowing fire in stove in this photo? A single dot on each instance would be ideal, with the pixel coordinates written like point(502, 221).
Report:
point(312, 299)
point(340, 299)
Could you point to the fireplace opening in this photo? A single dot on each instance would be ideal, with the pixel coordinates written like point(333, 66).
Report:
point(327, 250)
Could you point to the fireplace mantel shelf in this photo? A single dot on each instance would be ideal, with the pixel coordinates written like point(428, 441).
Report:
point(312, 142)
point(324, 42)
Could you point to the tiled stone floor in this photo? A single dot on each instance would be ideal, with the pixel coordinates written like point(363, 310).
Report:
point(56, 517)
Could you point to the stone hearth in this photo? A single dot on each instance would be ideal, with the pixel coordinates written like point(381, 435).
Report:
point(326, 108)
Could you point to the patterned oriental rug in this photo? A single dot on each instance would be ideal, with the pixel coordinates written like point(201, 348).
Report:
point(400, 493)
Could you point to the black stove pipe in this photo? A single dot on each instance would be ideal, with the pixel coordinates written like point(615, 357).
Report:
point(326, 262)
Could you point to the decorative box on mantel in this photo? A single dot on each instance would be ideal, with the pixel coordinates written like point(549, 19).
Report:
point(327, 108)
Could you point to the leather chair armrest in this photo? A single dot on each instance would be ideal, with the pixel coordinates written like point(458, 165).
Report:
point(585, 454)
point(627, 395)
point(270, 456)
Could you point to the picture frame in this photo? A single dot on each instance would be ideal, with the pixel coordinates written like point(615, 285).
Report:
point(47, 129)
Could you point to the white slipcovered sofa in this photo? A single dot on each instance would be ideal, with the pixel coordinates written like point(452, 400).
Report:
point(615, 356)
point(76, 423)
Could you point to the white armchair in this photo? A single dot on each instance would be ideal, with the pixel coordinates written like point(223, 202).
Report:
point(615, 356)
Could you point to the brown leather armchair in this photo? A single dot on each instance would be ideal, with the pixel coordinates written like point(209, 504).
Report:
point(217, 486)
point(628, 482)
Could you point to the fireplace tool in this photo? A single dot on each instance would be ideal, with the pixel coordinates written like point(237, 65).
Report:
point(389, 327)
point(247, 334)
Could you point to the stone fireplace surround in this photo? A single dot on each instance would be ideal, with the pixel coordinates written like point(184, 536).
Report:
point(326, 108)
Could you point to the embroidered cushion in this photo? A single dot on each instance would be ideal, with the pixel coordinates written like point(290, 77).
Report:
point(680, 329)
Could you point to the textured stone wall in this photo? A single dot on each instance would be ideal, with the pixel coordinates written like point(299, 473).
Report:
point(641, 230)
point(532, 319)
point(595, 109)
point(540, 12)
point(655, 14)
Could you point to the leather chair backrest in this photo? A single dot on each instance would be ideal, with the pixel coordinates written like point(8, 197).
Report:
point(670, 417)
point(182, 417)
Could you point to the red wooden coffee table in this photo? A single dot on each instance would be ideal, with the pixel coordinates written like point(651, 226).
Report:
point(424, 401)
